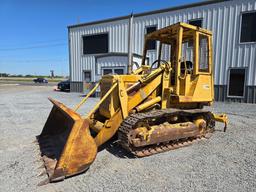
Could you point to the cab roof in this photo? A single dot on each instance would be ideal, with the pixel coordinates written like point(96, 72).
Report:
point(171, 31)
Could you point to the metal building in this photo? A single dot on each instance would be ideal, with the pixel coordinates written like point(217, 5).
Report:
point(233, 23)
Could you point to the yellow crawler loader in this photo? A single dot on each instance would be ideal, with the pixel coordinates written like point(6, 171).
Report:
point(155, 108)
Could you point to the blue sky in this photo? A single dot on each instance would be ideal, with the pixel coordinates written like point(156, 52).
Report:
point(33, 33)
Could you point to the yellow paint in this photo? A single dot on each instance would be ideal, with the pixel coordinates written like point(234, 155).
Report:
point(149, 103)
point(145, 85)
point(166, 86)
point(221, 118)
point(87, 96)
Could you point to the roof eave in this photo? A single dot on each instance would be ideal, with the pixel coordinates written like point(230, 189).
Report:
point(148, 13)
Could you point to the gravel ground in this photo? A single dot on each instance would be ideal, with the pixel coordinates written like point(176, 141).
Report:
point(226, 162)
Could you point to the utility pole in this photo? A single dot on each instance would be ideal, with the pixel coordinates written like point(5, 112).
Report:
point(52, 74)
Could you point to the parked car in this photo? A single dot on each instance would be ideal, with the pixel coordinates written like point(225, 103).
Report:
point(64, 85)
point(40, 80)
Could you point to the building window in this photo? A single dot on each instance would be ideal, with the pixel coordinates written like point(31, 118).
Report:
point(151, 45)
point(248, 33)
point(236, 82)
point(94, 44)
point(107, 71)
point(196, 22)
point(118, 71)
point(87, 76)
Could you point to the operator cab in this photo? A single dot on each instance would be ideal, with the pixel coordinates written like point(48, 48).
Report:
point(186, 49)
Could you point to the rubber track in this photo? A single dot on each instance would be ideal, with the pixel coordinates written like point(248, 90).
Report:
point(131, 121)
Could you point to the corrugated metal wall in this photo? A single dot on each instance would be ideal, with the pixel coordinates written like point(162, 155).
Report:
point(222, 18)
point(114, 61)
point(118, 42)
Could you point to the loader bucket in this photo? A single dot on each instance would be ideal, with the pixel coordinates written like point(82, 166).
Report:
point(66, 145)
